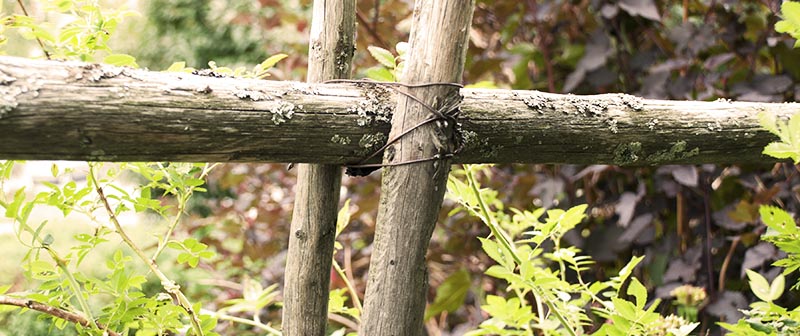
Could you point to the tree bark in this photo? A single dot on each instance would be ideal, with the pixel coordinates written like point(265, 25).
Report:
point(411, 194)
point(308, 265)
point(52, 110)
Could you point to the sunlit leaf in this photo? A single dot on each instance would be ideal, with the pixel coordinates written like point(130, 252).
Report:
point(383, 56)
point(759, 286)
point(121, 60)
point(271, 61)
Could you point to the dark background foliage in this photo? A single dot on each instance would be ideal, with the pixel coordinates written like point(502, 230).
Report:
point(696, 224)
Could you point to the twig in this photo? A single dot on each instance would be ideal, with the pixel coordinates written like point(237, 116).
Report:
point(24, 11)
point(709, 263)
point(226, 317)
point(53, 311)
point(363, 23)
point(343, 321)
point(376, 14)
point(353, 293)
point(724, 268)
point(348, 271)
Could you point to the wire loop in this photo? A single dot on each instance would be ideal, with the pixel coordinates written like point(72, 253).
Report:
point(444, 115)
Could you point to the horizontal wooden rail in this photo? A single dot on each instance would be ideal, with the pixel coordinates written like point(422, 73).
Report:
point(52, 110)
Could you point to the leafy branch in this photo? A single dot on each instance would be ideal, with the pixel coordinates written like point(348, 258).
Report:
point(790, 24)
point(169, 286)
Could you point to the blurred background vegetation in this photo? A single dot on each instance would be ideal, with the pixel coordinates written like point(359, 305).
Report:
point(697, 225)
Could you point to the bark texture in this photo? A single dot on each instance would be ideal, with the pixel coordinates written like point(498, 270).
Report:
point(308, 265)
point(52, 110)
point(411, 194)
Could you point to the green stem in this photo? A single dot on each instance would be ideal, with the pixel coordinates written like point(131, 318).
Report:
point(76, 288)
point(162, 243)
point(184, 198)
point(168, 285)
point(495, 229)
point(350, 288)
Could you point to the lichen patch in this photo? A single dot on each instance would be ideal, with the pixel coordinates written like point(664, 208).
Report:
point(538, 102)
point(252, 95)
point(636, 103)
point(283, 112)
point(370, 142)
point(342, 140)
point(377, 107)
point(676, 152)
point(95, 72)
point(627, 153)
point(588, 107)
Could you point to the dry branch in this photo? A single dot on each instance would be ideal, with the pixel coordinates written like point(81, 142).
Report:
point(79, 111)
point(52, 311)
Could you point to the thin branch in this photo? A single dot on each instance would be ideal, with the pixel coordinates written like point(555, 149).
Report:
point(226, 317)
point(53, 311)
point(343, 321)
point(724, 268)
point(348, 271)
point(363, 23)
point(24, 11)
point(376, 14)
point(353, 293)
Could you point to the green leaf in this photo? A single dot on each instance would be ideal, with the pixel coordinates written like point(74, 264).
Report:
point(777, 219)
point(271, 61)
point(451, 294)
point(768, 121)
point(790, 11)
point(380, 74)
point(121, 60)
point(4, 289)
point(625, 272)
point(572, 217)
point(624, 308)
point(176, 67)
point(175, 245)
point(777, 286)
point(482, 85)
point(383, 56)
point(343, 218)
point(760, 286)
point(638, 291)
point(789, 134)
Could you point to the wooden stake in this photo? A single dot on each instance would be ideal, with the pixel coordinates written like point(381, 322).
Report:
point(411, 195)
point(308, 265)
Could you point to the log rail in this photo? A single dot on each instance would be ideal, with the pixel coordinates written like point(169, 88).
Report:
point(51, 110)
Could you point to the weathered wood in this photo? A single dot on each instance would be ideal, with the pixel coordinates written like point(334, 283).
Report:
point(411, 194)
point(78, 111)
point(308, 264)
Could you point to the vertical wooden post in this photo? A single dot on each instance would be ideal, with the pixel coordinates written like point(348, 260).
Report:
point(411, 194)
point(308, 265)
